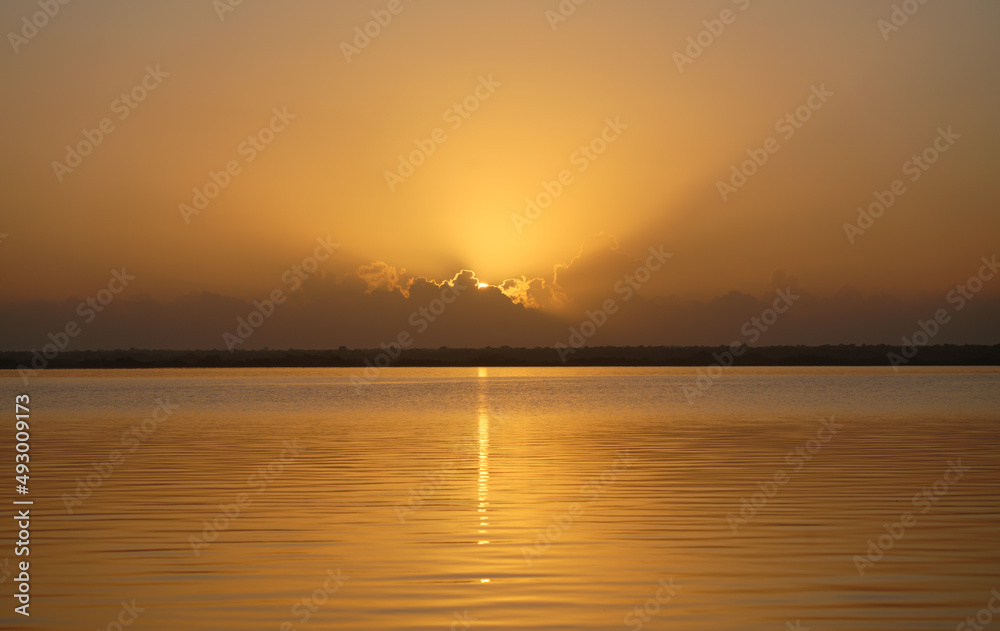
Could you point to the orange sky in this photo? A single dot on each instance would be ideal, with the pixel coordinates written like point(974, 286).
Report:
point(501, 101)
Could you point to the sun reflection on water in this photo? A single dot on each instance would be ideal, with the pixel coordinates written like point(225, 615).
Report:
point(483, 482)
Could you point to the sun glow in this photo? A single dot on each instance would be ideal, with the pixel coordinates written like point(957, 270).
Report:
point(483, 285)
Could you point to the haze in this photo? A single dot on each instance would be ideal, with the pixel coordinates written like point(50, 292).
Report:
point(622, 132)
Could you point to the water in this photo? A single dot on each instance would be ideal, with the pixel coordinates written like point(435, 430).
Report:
point(510, 499)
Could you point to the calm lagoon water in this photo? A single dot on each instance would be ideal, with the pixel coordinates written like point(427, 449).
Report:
point(543, 498)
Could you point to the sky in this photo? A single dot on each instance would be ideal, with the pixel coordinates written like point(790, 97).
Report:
point(361, 160)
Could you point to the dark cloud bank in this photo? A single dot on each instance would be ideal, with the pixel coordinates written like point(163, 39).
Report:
point(600, 299)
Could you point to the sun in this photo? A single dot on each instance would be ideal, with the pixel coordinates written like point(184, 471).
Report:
point(483, 285)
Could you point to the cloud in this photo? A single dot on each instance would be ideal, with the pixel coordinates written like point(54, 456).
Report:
point(381, 275)
point(588, 279)
point(377, 302)
point(536, 293)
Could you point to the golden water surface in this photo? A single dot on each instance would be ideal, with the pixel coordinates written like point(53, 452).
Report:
point(501, 498)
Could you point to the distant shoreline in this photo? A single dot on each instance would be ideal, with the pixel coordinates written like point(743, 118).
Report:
point(666, 356)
